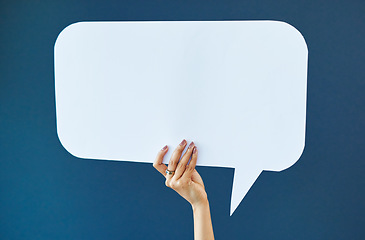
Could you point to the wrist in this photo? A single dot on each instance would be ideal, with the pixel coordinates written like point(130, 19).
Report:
point(200, 205)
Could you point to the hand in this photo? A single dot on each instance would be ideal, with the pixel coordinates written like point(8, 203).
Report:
point(184, 179)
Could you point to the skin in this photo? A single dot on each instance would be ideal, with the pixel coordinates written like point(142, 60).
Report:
point(187, 182)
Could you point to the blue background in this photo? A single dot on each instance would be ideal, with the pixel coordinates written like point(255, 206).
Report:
point(46, 193)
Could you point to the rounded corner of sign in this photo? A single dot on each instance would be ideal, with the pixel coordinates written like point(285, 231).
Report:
point(66, 147)
point(65, 31)
point(293, 29)
point(301, 150)
point(297, 157)
point(287, 164)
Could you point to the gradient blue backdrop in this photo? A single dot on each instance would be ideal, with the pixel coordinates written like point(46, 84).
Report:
point(48, 194)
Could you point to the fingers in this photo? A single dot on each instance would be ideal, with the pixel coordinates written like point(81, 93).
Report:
point(158, 162)
point(178, 168)
point(190, 169)
point(174, 160)
point(181, 167)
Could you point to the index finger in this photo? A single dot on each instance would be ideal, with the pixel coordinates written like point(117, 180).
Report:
point(191, 166)
point(158, 162)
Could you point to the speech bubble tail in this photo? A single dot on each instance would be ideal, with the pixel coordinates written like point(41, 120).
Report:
point(242, 182)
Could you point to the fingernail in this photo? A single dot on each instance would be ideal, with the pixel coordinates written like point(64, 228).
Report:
point(194, 150)
point(182, 142)
point(191, 144)
point(164, 148)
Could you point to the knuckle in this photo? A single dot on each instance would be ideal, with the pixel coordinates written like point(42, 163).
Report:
point(190, 168)
point(181, 166)
point(173, 162)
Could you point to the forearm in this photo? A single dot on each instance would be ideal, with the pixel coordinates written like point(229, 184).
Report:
point(203, 229)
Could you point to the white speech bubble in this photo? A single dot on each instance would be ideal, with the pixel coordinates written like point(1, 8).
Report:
point(235, 88)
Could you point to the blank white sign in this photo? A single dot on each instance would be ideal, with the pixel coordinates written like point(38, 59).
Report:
point(235, 88)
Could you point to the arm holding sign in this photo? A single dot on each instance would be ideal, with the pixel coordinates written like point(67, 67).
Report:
point(186, 181)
